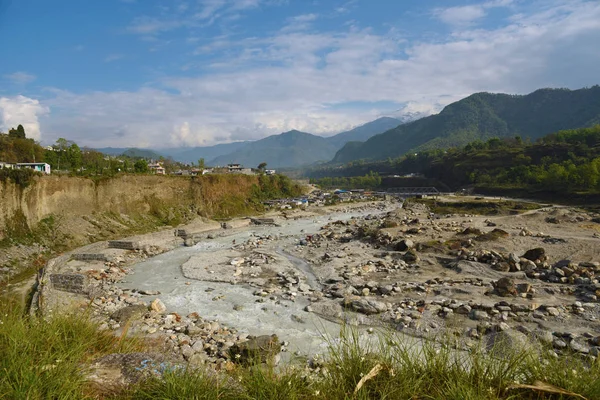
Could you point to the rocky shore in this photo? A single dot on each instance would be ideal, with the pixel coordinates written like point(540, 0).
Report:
point(528, 279)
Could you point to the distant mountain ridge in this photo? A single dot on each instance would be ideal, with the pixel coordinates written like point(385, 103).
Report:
point(288, 149)
point(482, 116)
point(295, 148)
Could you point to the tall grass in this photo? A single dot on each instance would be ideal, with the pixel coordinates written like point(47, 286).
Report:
point(390, 368)
point(45, 359)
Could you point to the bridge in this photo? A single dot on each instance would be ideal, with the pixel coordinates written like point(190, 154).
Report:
point(413, 191)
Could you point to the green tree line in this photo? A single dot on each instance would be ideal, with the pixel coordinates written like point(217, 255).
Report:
point(566, 161)
point(369, 181)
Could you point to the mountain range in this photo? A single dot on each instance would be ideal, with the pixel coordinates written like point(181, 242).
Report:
point(482, 116)
point(478, 117)
point(285, 150)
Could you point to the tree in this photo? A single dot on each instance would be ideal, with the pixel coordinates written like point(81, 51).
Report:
point(262, 166)
point(17, 133)
point(140, 166)
point(74, 156)
point(201, 163)
point(61, 145)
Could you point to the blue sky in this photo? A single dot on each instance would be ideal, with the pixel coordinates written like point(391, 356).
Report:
point(165, 73)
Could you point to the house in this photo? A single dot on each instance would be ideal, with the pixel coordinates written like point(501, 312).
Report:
point(270, 171)
point(39, 167)
point(234, 168)
point(238, 169)
point(157, 168)
point(7, 165)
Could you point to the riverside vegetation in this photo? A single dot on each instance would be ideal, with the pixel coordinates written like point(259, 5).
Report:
point(46, 358)
point(563, 163)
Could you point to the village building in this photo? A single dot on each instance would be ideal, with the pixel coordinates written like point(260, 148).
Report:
point(39, 167)
point(157, 168)
point(7, 165)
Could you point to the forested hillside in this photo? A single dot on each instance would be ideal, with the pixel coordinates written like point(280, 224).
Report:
point(563, 162)
point(484, 116)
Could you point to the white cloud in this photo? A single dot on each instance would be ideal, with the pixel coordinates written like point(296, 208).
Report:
point(20, 77)
point(22, 110)
point(311, 81)
point(113, 57)
point(463, 16)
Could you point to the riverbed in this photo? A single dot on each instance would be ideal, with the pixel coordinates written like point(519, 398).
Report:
point(236, 305)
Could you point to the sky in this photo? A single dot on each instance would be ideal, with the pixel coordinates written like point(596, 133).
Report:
point(171, 73)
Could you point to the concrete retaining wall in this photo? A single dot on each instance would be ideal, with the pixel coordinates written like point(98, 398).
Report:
point(89, 257)
point(123, 244)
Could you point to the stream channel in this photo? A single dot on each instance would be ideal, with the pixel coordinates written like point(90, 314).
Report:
point(307, 335)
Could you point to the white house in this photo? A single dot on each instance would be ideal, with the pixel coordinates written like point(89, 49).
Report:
point(157, 168)
point(39, 167)
point(7, 165)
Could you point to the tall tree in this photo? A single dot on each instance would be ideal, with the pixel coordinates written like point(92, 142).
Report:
point(18, 133)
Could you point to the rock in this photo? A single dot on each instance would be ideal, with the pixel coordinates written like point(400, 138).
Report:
point(187, 351)
point(514, 258)
point(127, 313)
point(367, 306)
point(553, 311)
point(472, 231)
point(506, 342)
point(115, 370)
point(505, 287)
point(578, 347)
point(158, 306)
point(559, 343)
point(303, 287)
point(404, 244)
point(261, 349)
point(149, 292)
point(537, 254)
point(493, 235)
point(479, 315)
point(543, 336)
point(236, 262)
point(411, 256)
point(464, 309)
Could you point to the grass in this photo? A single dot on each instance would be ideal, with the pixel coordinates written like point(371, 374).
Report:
point(391, 369)
point(45, 359)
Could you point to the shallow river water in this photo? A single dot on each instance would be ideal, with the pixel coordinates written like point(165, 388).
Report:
point(307, 334)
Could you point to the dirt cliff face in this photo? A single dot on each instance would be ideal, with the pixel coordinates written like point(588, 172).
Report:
point(169, 199)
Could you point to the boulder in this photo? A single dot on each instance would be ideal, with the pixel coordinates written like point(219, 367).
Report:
point(119, 370)
point(411, 256)
point(404, 244)
point(260, 349)
point(127, 313)
point(158, 306)
point(535, 254)
point(505, 287)
point(506, 342)
point(367, 306)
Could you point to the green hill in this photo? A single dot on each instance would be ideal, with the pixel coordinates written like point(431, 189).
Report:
point(483, 116)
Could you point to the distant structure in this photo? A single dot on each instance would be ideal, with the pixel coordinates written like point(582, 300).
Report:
point(157, 168)
point(270, 171)
point(39, 167)
point(7, 165)
point(238, 169)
